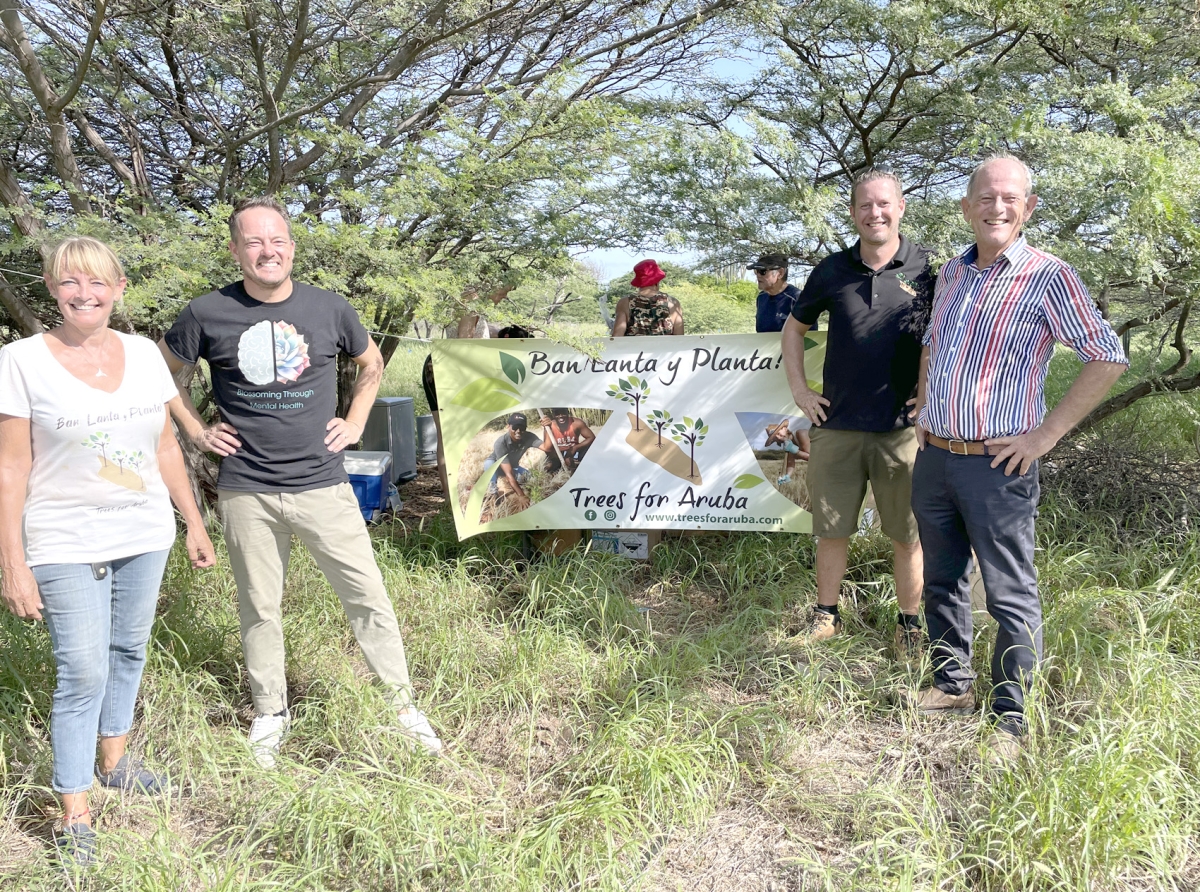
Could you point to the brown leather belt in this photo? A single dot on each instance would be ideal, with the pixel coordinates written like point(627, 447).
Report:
point(962, 447)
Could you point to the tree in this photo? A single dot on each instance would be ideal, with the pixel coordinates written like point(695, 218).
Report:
point(1102, 100)
point(455, 133)
point(631, 390)
point(99, 441)
point(692, 433)
point(659, 419)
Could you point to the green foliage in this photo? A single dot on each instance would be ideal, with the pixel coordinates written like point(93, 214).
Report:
point(708, 311)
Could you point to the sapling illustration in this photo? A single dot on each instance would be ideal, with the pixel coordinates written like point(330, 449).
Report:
point(99, 441)
point(659, 419)
point(631, 390)
point(135, 458)
point(120, 458)
point(692, 433)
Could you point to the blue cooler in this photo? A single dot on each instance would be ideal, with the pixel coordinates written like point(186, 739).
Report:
point(370, 475)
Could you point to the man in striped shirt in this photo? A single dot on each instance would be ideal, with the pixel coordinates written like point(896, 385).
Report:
point(999, 308)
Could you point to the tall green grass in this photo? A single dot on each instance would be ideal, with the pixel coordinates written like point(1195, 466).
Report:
point(614, 726)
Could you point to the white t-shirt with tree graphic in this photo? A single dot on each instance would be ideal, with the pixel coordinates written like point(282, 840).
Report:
point(95, 492)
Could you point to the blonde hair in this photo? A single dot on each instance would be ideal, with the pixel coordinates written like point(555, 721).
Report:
point(83, 254)
point(870, 175)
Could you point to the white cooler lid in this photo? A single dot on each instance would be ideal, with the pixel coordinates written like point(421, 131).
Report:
point(368, 464)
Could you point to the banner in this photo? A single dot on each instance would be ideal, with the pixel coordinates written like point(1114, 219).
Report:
point(693, 432)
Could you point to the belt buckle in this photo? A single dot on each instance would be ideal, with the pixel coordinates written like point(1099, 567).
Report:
point(962, 443)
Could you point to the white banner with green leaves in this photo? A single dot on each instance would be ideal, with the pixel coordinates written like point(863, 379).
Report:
point(693, 432)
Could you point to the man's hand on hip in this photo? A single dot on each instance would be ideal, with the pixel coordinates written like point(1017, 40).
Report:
point(220, 438)
point(1021, 451)
point(342, 433)
point(811, 404)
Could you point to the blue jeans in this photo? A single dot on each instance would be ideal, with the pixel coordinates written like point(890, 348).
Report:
point(98, 630)
point(521, 474)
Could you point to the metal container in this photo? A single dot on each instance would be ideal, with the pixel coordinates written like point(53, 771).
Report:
point(427, 440)
point(391, 428)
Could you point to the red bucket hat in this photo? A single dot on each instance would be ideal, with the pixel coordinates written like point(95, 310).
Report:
point(647, 273)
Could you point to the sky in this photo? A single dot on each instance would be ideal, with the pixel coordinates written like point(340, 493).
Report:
point(612, 262)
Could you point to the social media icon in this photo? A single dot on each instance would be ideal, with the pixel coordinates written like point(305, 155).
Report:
point(589, 514)
point(610, 515)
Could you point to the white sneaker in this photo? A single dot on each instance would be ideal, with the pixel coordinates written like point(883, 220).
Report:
point(266, 734)
point(414, 725)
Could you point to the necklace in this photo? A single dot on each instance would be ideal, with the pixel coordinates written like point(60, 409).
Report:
point(100, 373)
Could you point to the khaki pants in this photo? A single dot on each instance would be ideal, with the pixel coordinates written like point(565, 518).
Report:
point(839, 466)
point(258, 532)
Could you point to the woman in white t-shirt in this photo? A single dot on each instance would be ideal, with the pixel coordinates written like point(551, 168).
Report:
point(89, 467)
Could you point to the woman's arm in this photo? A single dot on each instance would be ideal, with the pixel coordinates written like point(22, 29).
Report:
point(676, 318)
point(621, 318)
point(17, 585)
point(174, 474)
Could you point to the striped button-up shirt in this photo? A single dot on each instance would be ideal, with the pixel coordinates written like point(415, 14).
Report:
point(991, 337)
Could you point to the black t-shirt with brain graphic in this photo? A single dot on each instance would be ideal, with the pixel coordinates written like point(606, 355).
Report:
point(274, 373)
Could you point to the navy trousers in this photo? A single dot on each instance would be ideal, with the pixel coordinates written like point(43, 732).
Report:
point(960, 503)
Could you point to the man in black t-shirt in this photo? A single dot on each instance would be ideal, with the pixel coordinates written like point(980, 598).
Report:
point(878, 295)
point(272, 345)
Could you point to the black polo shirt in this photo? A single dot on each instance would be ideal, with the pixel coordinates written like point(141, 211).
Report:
point(876, 321)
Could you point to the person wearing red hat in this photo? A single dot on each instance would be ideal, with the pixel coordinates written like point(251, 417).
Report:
point(648, 311)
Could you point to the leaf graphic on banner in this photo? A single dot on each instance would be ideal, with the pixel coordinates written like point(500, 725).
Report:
point(487, 395)
point(514, 369)
point(747, 481)
point(809, 343)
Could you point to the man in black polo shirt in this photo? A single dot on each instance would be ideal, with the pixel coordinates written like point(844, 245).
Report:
point(878, 295)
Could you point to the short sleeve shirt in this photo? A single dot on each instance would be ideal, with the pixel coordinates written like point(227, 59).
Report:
point(274, 373)
point(876, 321)
point(95, 492)
point(509, 452)
point(771, 311)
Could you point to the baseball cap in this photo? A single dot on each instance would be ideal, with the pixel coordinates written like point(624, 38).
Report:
point(518, 420)
point(769, 261)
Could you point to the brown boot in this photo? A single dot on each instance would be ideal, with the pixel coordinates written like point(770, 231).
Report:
point(935, 701)
point(1003, 748)
point(819, 626)
point(908, 645)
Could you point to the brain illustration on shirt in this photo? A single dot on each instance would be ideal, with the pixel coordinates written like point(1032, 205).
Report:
point(269, 352)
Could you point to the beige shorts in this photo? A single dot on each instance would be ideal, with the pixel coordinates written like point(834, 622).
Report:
point(841, 464)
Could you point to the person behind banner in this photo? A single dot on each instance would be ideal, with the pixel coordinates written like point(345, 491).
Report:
point(776, 295)
point(648, 311)
point(571, 435)
point(272, 346)
point(427, 384)
point(877, 293)
point(509, 449)
point(89, 467)
point(982, 425)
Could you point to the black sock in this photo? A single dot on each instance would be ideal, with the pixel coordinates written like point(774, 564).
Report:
point(909, 622)
point(832, 611)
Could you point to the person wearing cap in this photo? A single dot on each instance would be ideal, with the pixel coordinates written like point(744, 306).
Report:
point(648, 311)
point(508, 451)
point(877, 293)
point(776, 296)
